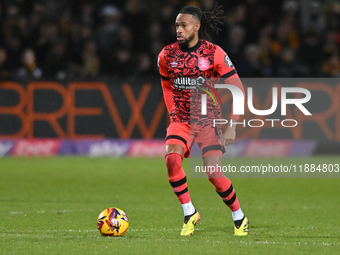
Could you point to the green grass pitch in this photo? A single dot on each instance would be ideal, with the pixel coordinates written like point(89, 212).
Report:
point(50, 206)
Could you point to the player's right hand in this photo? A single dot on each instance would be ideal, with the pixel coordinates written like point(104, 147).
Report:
point(228, 136)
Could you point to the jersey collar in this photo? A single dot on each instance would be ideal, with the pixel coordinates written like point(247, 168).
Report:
point(192, 49)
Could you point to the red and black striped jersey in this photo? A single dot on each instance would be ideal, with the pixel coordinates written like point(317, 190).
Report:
point(182, 71)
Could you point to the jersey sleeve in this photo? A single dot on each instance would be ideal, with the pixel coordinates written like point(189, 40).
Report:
point(165, 81)
point(163, 71)
point(223, 64)
point(228, 73)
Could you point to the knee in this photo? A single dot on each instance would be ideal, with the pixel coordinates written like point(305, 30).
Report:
point(173, 161)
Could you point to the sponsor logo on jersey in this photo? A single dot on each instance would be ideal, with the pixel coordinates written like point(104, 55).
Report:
point(227, 61)
point(188, 83)
point(174, 64)
point(203, 63)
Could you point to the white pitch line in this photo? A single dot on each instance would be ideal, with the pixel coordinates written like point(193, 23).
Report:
point(172, 230)
point(51, 211)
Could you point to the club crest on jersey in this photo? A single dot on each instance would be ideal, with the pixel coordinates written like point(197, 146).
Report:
point(203, 63)
point(174, 64)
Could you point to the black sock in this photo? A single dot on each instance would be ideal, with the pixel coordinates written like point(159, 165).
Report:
point(186, 218)
point(239, 222)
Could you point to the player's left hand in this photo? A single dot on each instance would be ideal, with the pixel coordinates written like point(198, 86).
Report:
point(228, 136)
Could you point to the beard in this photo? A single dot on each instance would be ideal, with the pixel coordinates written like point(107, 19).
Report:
point(185, 43)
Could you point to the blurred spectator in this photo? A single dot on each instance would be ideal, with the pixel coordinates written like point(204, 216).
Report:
point(138, 21)
point(49, 34)
point(265, 55)
point(310, 54)
point(251, 65)
point(331, 66)
point(333, 11)
point(123, 62)
point(87, 14)
point(108, 32)
point(14, 48)
point(65, 22)
point(207, 5)
point(311, 16)
point(156, 42)
point(107, 36)
point(240, 14)
point(91, 62)
point(126, 38)
point(235, 43)
point(167, 17)
point(29, 67)
point(285, 37)
point(260, 18)
point(90, 38)
point(331, 42)
point(76, 44)
point(145, 65)
point(287, 66)
point(56, 62)
point(4, 68)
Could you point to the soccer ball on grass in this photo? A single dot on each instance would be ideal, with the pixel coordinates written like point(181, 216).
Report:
point(112, 222)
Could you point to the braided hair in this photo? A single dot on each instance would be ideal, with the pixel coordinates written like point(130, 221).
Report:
point(209, 20)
